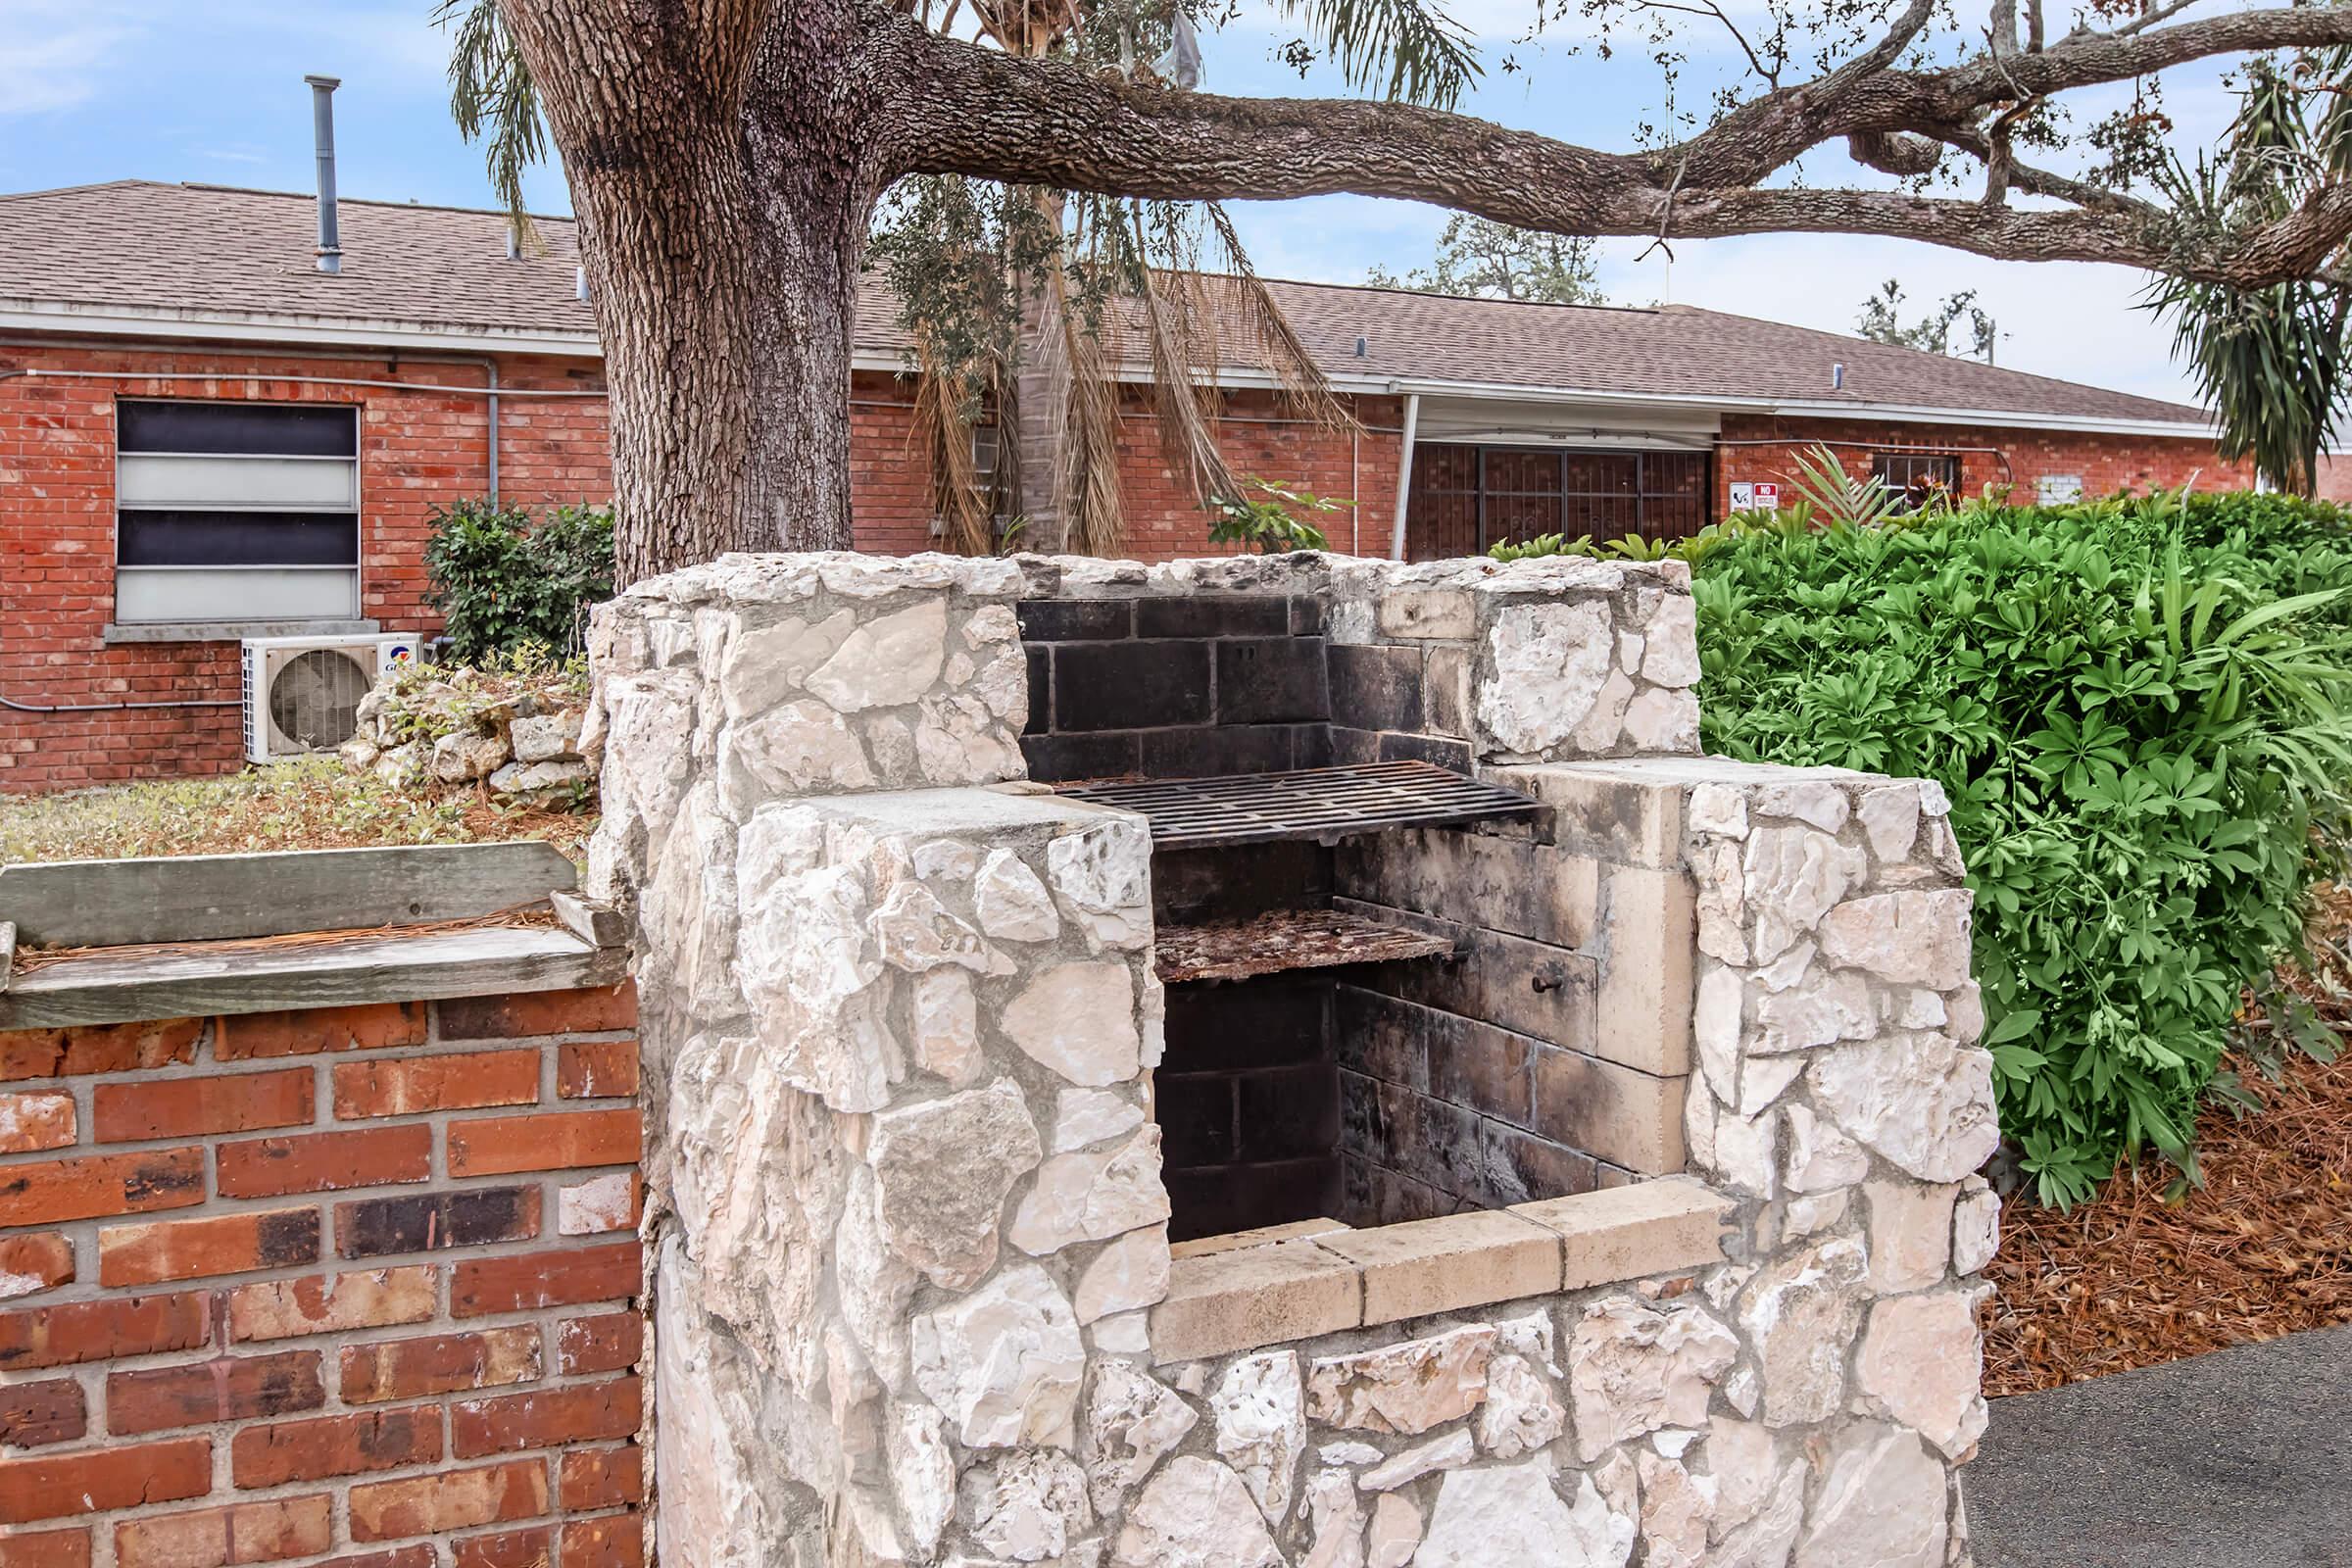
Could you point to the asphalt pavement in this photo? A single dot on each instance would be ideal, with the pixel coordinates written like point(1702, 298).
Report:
point(2237, 1460)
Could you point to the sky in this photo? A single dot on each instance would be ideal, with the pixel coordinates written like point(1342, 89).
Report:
point(211, 91)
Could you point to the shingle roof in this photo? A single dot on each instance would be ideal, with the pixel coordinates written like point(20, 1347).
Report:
point(151, 247)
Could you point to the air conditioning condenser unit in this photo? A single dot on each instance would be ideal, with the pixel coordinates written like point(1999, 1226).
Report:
point(301, 694)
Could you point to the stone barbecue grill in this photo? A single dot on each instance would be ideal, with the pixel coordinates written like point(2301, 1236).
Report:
point(1279, 1061)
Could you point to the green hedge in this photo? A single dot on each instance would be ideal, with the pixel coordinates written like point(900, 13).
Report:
point(504, 582)
point(2138, 709)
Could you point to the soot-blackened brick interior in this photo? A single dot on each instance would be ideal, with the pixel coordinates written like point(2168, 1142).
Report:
point(1363, 1092)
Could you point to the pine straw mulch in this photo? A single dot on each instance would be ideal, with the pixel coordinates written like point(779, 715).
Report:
point(2263, 1248)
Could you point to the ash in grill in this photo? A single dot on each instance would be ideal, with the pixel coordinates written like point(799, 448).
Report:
point(1381, 983)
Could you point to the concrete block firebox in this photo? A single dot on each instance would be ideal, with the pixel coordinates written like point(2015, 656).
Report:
point(1279, 1061)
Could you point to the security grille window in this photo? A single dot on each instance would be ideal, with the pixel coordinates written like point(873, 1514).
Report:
point(236, 512)
point(1468, 497)
point(1916, 476)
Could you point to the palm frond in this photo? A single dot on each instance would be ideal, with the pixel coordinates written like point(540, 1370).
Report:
point(1409, 50)
point(493, 99)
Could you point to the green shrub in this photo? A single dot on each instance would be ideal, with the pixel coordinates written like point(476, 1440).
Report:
point(2138, 709)
point(500, 581)
point(1264, 518)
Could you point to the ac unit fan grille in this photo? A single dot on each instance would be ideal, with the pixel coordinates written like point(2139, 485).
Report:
point(314, 698)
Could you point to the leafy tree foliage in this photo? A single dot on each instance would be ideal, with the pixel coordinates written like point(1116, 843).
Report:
point(1882, 321)
point(1480, 258)
point(2142, 710)
point(726, 158)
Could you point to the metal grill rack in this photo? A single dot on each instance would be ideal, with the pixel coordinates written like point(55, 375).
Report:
point(1308, 803)
point(1286, 939)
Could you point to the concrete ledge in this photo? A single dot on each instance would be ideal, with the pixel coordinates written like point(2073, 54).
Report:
point(232, 631)
point(1234, 1294)
point(1624, 1232)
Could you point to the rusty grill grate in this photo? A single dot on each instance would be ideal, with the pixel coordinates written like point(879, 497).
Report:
point(1308, 803)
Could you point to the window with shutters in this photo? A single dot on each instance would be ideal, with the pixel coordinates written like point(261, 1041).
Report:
point(236, 512)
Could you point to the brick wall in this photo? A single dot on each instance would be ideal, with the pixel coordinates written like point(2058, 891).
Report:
point(350, 1286)
point(2105, 464)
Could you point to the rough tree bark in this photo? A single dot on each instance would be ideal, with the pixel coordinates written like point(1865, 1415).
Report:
point(724, 157)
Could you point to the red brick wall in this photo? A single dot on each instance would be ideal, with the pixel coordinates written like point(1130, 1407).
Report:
point(420, 448)
point(323, 1287)
point(2106, 463)
point(417, 449)
point(1165, 522)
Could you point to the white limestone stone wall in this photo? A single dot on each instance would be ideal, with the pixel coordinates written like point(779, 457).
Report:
point(915, 1302)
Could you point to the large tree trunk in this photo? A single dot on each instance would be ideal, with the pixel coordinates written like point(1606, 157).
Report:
point(723, 204)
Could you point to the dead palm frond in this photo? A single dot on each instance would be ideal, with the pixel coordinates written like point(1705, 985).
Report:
point(944, 400)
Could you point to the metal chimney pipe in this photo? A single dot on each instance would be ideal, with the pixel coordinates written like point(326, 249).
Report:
point(323, 131)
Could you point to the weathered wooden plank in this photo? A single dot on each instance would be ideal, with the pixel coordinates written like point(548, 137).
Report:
point(599, 926)
point(210, 898)
point(111, 988)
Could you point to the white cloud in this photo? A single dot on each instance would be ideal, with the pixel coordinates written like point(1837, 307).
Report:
point(53, 56)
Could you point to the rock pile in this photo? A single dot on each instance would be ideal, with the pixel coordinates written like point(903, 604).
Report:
point(524, 738)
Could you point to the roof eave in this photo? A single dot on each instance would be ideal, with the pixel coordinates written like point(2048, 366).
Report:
point(1811, 409)
point(19, 315)
point(240, 326)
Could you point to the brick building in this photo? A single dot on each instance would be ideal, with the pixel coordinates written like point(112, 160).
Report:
point(202, 437)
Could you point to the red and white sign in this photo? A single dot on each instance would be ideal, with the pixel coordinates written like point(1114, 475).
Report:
point(1768, 498)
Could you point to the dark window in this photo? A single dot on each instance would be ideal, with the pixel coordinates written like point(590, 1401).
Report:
point(1915, 476)
point(241, 429)
point(1467, 498)
point(237, 511)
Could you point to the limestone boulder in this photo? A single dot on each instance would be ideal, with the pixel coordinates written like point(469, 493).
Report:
point(1910, 1234)
point(1550, 663)
point(1801, 1314)
point(1259, 1413)
point(1079, 1019)
point(1793, 876)
point(1196, 1513)
point(1916, 938)
point(1028, 1507)
point(941, 1169)
point(1013, 902)
point(1634, 1367)
point(947, 1026)
point(1132, 1272)
point(1132, 1421)
point(1880, 1503)
point(922, 1472)
point(546, 737)
point(886, 661)
point(1405, 1388)
point(1508, 1516)
point(463, 756)
point(1003, 1363)
point(1922, 1364)
point(762, 665)
point(1083, 1117)
point(1675, 1508)
point(1449, 1451)
point(1976, 1229)
point(1521, 1413)
point(916, 932)
point(1093, 1195)
point(1923, 1101)
point(1336, 1519)
point(790, 750)
point(1102, 878)
point(1395, 1533)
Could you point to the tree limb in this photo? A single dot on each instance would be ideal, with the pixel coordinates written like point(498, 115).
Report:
point(967, 111)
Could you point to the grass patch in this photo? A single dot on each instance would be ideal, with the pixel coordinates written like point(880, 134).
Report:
point(310, 802)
